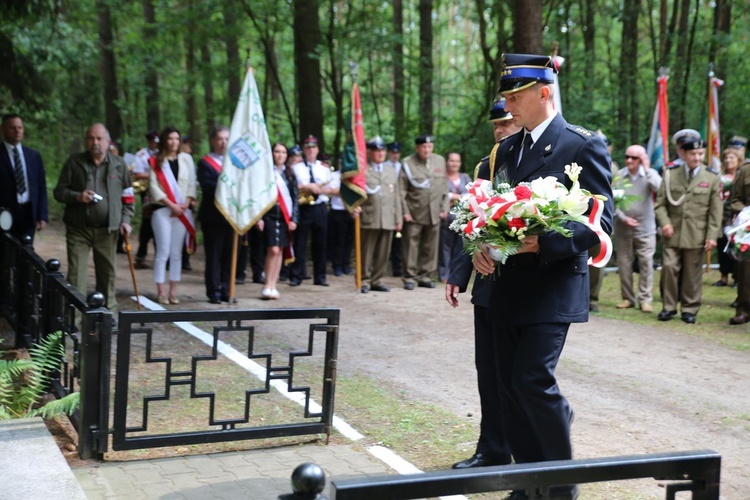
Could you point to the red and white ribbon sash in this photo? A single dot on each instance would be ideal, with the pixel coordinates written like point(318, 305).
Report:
point(186, 218)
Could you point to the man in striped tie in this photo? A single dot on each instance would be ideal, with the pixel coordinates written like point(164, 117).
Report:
point(23, 189)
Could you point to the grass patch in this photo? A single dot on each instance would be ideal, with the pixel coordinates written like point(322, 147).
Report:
point(713, 317)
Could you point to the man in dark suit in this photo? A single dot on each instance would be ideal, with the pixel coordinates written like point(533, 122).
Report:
point(23, 189)
point(540, 291)
point(492, 446)
point(218, 235)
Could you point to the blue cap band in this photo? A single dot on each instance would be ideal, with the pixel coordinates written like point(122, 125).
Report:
point(542, 74)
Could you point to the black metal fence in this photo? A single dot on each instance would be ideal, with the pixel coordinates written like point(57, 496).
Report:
point(697, 472)
point(313, 327)
point(36, 300)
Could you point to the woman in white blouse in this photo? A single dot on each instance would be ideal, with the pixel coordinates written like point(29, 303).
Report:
point(172, 184)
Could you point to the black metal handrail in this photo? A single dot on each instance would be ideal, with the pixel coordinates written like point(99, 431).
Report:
point(696, 471)
point(37, 300)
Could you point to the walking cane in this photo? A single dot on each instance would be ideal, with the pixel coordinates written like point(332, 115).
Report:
point(132, 270)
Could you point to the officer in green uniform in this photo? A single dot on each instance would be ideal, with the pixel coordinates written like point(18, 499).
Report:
point(425, 202)
point(380, 215)
point(688, 210)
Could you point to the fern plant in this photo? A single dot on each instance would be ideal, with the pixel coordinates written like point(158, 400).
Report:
point(23, 382)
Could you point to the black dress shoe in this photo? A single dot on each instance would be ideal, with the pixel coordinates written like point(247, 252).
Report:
point(365, 289)
point(337, 271)
point(260, 281)
point(321, 283)
point(479, 460)
point(426, 284)
point(225, 298)
point(740, 319)
point(239, 281)
point(380, 288)
point(409, 286)
point(688, 318)
point(214, 300)
point(720, 283)
point(294, 282)
point(666, 315)
point(307, 277)
point(348, 270)
point(593, 308)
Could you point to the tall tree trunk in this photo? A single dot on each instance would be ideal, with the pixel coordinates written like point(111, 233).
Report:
point(191, 100)
point(234, 67)
point(676, 112)
point(335, 77)
point(153, 115)
point(307, 68)
point(527, 31)
point(398, 70)
point(589, 47)
point(425, 67)
point(208, 85)
point(272, 65)
point(627, 112)
point(722, 24)
point(109, 72)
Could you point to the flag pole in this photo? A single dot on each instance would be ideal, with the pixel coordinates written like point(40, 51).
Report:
point(354, 70)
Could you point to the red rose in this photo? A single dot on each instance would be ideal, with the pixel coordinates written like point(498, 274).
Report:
point(522, 192)
point(744, 247)
point(518, 223)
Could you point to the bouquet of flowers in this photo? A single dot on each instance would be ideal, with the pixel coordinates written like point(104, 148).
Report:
point(738, 235)
point(502, 217)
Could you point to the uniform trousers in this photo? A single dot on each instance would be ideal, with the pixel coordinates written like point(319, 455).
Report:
point(420, 245)
point(537, 415)
point(313, 218)
point(629, 248)
point(340, 239)
point(146, 233)
point(375, 244)
point(687, 263)
point(492, 436)
point(218, 238)
point(79, 241)
point(169, 234)
point(396, 254)
point(254, 244)
point(23, 223)
point(448, 245)
point(743, 287)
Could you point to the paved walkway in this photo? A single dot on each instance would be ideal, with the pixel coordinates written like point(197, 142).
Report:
point(255, 474)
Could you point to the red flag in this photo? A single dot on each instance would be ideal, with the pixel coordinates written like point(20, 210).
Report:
point(354, 161)
point(712, 123)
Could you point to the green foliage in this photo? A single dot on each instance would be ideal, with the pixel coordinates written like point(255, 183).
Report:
point(58, 43)
point(23, 383)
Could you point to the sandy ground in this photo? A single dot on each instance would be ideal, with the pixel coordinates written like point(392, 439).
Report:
point(636, 389)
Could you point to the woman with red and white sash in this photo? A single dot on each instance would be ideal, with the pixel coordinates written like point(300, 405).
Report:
point(172, 184)
point(279, 222)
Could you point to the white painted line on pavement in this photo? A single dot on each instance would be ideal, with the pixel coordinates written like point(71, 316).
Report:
point(383, 454)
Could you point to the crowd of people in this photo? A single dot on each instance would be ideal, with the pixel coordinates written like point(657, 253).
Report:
point(685, 210)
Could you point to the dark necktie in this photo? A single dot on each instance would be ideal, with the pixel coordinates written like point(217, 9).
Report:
point(527, 143)
point(18, 167)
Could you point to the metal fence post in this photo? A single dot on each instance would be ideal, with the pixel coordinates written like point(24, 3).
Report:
point(308, 481)
point(96, 342)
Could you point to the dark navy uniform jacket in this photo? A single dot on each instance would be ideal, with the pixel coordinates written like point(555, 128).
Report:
point(552, 286)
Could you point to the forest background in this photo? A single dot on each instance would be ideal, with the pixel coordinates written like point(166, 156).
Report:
point(425, 66)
